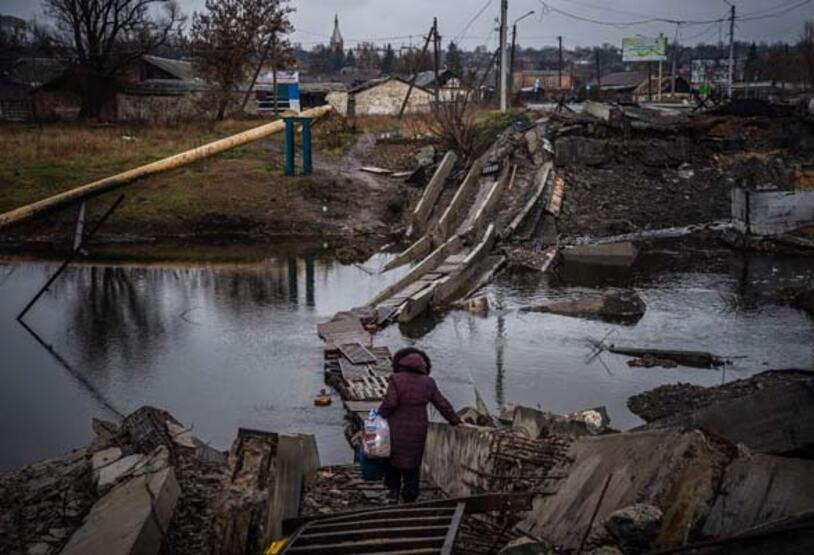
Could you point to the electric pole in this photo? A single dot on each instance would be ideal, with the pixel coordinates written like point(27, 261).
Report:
point(559, 66)
point(598, 76)
point(504, 62)
point(514, 41)
point(436, 42)
point(511, 59)
point(731, 48)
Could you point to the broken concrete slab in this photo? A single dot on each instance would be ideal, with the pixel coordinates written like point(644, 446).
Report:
point(670, 400)
point(606, 254)
point(581, 151)
point(131, 519)
point(295, 466)
point(674, 470)
point(624, 307)
point(771, 213)
point(470, 446)
point(108, 476)
point(432, 191)
point(105, 457)
point(758, 489)
point(776, 420)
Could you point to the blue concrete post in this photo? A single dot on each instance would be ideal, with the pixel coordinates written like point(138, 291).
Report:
point(306, 146)
point(289, 146)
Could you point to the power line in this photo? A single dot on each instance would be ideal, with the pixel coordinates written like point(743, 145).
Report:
point(473, 19)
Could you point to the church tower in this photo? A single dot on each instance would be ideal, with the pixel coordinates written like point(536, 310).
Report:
point(337, 44)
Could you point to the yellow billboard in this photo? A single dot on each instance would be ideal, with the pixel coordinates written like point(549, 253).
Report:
point(644, 49)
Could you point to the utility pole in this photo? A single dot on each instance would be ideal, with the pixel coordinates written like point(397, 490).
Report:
point(415, 70)
point(559, 66)
point(598, 77)
point(731, 48)
point(511, 59)
point(514, 41)
point(504, 62)
point(661, 37)
point(437, 56)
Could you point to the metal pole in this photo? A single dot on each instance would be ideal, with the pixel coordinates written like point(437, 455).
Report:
point(731, 49)
point(80, 227)
point(650, 81)
point(415, 72)
point(504, 62)
point(436, 56)
point(70, 258)
point(307, 161)
point(289, 146)
point(660, 74)
point(559, 65)
point(598, 77)
point(511, 59)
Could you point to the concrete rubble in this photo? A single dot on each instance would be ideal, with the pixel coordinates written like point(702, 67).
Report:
point(181, 496)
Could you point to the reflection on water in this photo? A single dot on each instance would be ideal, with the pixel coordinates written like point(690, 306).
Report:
point(228, 345)
point(220, 346)
point(700, 300)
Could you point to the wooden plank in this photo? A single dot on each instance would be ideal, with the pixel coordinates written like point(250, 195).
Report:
point(352, 371)
point(535, 197)
point(453, 245)
point(361, 406)
point(416, 251)
point(444, 227)
point(452, 532)
point(554, 205)
point(356, 353)
point(432, 191)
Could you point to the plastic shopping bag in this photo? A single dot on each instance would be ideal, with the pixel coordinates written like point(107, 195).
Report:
point(376, 437)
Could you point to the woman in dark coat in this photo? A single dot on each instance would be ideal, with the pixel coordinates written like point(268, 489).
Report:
point(405, 407)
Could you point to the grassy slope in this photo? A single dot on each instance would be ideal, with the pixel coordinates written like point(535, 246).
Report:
point(230, 189)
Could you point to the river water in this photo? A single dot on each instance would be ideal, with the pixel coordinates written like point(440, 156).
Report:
point(223, 345)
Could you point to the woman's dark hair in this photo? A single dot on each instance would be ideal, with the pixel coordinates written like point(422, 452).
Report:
point(401, 353)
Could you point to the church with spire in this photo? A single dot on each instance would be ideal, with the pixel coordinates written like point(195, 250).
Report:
point(337, 44)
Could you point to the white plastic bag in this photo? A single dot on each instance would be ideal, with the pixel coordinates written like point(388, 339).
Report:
point(376, 436)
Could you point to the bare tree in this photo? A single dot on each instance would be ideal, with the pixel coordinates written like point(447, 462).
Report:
point(102, 36)
point(228, 33)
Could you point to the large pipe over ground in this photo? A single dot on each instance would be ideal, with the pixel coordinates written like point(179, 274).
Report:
point(176, 161)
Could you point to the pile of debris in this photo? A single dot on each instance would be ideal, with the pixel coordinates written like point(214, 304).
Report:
point(148, 486)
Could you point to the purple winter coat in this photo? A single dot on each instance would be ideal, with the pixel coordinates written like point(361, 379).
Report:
point(405, 407)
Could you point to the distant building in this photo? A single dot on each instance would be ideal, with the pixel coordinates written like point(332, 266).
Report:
point(380, 97)
point(19, 78)
point(337, 44)
point(619, 86)
point(645, 92)
point(551, 81)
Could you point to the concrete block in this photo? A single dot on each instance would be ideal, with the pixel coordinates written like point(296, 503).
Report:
point(581, 151)
point(131, 519)
point(108, 476)
point(106, 457)
point(606, 254)
point(757, 489)
point(295, 464)
point(676, 471)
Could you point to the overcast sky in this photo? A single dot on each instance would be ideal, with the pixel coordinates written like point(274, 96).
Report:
point(395, 21)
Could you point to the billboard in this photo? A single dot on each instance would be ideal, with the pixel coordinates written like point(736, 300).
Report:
point(713, 71)
point(644, 49)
